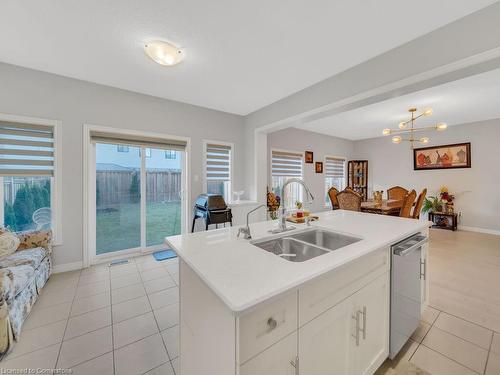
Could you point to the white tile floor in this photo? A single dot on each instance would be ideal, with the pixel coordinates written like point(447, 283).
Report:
point(449, 340)
point(119, 320)
point(124, 319)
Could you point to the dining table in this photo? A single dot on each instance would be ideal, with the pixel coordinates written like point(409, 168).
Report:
point(385, 207)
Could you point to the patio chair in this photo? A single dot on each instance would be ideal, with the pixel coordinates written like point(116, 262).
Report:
point(42, 217)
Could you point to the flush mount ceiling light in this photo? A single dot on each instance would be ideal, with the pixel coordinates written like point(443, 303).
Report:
point(164, 53)
point(411, 129)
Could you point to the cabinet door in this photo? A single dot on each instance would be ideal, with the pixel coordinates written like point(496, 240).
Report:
point(424, 275)
point(371, 307)
point(325, 342)
point(276, 360)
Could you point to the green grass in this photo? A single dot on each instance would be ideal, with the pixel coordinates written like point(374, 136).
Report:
point(120, 229)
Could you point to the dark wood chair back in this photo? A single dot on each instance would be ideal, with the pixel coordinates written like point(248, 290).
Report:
point(418, 206)
point(332, 194)
point(397, 193)
point(349, 200)
point(408, 204)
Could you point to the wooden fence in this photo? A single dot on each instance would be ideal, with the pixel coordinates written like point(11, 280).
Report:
point(11, 185)
point(115, 187)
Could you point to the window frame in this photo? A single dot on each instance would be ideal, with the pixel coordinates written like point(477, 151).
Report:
point(328, 204)
point(206, 142)
point(56, 181)
point(270, 182)
point(169, 153)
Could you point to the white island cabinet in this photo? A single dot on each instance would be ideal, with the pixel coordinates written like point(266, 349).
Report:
point(244, 311)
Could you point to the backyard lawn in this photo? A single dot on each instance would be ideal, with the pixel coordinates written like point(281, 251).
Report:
point(119, 228)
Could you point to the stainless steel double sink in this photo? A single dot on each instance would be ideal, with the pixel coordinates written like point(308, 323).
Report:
point(305, 245)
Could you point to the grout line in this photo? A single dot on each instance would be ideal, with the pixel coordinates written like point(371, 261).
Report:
point(156, 320)
point(67, 321)
point(91, 359)
point(489, 353)
point(461, 338)
point(154, 368)
point(421, 342)
point(451, 359)
point(112, 327)
point(465, 320)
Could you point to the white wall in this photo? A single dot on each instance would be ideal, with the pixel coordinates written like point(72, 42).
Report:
point(468, 43)
point(36, 94)
point(301, 140)
point(477, 188)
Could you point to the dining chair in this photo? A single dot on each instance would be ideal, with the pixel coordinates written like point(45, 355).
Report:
point(418, 206)
point(332, 194)
point(407, 204)
point(397, 193)
point(349, 200)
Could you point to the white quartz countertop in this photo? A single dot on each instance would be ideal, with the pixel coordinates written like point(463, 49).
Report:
point(243, 275)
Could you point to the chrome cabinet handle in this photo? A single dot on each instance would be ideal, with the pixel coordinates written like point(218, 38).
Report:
point(295, 365)
point(423, 275)
point(364, 322)
point(272, 323)
point(356, 335)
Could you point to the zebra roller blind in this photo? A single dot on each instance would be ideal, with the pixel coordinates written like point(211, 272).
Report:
point(334, 167)
point(286, 164)
point(26, 149)
point(218, 162)
point(137, 140)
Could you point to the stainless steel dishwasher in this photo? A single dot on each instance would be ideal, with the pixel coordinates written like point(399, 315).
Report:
point(406, 274)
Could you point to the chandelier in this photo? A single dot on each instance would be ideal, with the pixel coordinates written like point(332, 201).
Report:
point(408, 127)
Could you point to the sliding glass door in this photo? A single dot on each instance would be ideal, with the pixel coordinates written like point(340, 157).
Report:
point(163, 194)
point(138, 197)
point(118, 198)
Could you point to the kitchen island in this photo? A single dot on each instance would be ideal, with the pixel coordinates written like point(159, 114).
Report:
point(248, 311)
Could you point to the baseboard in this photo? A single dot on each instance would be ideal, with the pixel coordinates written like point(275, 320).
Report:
point(479, 230)
point(68, 267)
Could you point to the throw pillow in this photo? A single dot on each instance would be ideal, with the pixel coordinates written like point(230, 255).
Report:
point(8, 244)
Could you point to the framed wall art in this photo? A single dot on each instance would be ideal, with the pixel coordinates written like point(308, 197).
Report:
point(442, 157)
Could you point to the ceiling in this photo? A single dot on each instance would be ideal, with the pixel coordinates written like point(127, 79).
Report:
point(467, 100)
point(240, 55)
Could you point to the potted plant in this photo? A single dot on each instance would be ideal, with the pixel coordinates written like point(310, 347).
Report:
point(447, 198)
point(434, 204)
point(300, 212)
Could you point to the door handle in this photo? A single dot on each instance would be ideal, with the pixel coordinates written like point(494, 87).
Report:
point(355, 316)
point(423, 275)
point(364, 322)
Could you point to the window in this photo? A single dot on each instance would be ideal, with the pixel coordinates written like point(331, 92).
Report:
point(27, 175)
point(147, 152)
point(286, 165)
point(170, 154)
point(218, 169)
point(122, 148)
point(334, 175)
point(135, 201)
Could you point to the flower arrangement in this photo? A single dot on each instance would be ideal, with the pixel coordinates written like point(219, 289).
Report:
point(445, 195)
point(437, 203)
point(273, 203)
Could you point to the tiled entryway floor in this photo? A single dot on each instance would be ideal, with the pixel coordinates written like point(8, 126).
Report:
point(105, 320)
point(124, 319)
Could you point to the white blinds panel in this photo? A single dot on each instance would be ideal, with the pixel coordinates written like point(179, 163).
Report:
point(26, 149)
point(140, 141)
point(286, 164)
point(334, 167)
point(218, 162)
